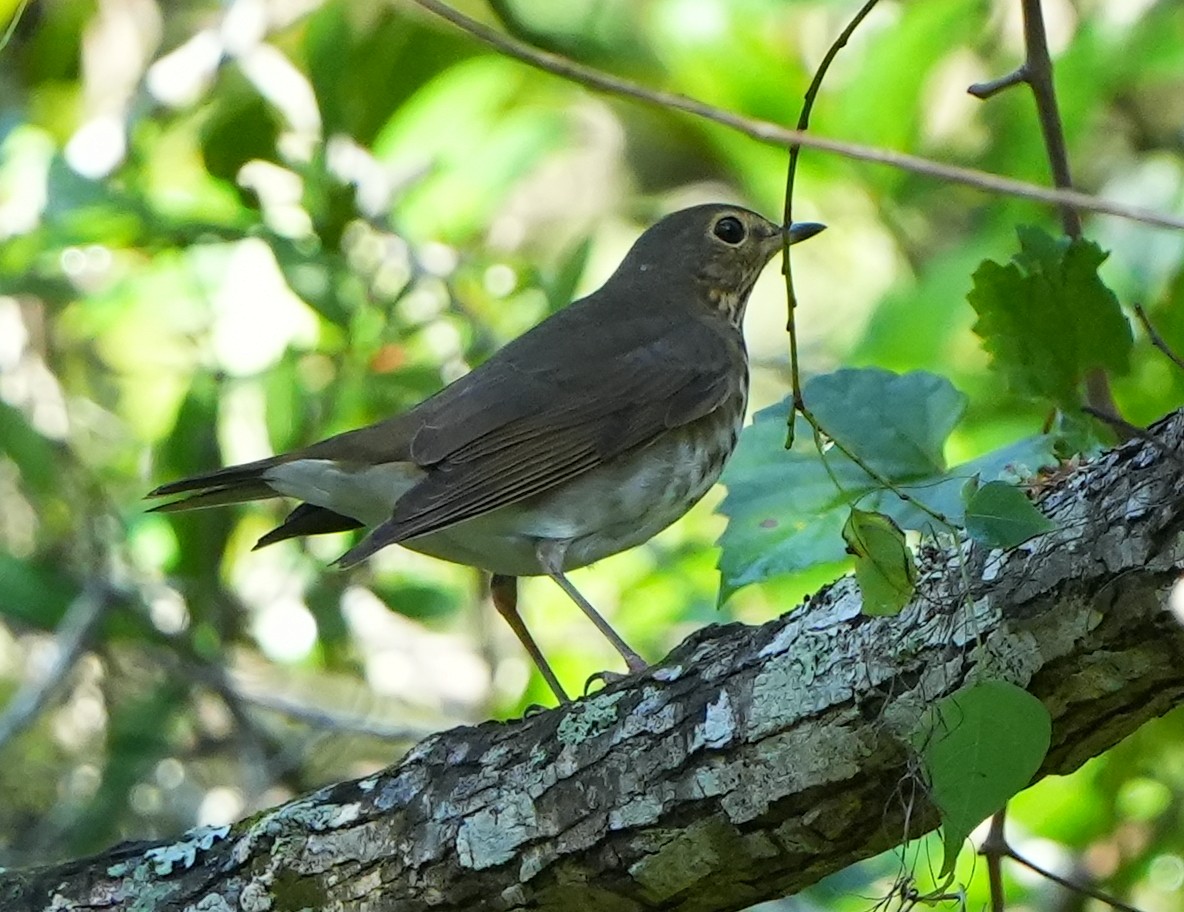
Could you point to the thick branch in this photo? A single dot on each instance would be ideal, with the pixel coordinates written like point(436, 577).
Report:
point(751, 763)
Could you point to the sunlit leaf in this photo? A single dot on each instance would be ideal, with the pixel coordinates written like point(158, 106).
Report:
point(1047, 318)
point(980, 746)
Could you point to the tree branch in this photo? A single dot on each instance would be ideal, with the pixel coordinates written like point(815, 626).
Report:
point(777, 135)
point(1038, 74)
point(751, 763)
point(1156, 339)
point(1036, 71)
point(70, 640)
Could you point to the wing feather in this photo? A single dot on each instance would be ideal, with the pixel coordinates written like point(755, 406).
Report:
point(594, 413)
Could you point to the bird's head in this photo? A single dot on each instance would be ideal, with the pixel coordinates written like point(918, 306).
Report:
point(711, 253)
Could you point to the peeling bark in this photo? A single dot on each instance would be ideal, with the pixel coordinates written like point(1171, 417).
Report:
point(752, 762)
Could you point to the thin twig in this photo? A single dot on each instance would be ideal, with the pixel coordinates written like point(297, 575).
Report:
point(1036, 71)
point(791, 298)
point(1038, 67)
point(315, 717)
point(1156, 339)
point(878, 477)
point(1082, 889)
point(17, 13)
point(1132, 431)
point(1038, 75)
point(985, 90)
point(774, 134)
point(70, 639)
point(993, 849)
point(507, 14)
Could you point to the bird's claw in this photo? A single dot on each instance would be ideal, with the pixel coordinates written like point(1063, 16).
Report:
point(604, 678)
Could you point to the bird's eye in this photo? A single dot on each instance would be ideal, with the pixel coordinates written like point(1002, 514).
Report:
point(729, 229)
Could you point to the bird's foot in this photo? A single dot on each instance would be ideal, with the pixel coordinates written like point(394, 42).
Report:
point(635, 663)
point(604, 678)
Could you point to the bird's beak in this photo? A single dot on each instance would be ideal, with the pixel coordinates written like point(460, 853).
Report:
point(803, 231)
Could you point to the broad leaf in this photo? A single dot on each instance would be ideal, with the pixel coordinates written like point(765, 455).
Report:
point(1047, 318)
point(980, 746)
point(884, 565)
point(786, 510)
point(1000, 515)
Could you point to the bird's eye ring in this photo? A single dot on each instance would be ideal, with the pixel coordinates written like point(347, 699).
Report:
point(729, 229)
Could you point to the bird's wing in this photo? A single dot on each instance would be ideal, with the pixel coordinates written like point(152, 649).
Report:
point(560, 418)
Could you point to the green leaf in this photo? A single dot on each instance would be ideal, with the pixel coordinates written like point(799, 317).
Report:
point(884, 565)
point(240, 127)
point(472, 111)
point(560, 285)
point(980, 746)
point(35, 456)
point(1000, 515)
point(897, 423)
point(1047, 318)
point(36, 593)
point(785, 511)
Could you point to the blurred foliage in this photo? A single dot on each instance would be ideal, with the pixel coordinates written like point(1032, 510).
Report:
point(228, 229)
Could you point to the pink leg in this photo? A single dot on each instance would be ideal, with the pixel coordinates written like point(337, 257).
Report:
point(550, 555)
point(504, 590)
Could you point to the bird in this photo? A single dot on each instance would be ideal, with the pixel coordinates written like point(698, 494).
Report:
point(585, 436)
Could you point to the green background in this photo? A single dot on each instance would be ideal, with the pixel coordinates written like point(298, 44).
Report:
point(227, 230)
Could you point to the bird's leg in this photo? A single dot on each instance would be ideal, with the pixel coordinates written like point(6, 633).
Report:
point(551, 558)
point(504, 590)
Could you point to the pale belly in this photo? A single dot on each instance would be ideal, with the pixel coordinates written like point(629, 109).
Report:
point(615, 507)
point(612, 508)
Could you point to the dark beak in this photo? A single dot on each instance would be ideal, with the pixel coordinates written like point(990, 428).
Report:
point(803, 231)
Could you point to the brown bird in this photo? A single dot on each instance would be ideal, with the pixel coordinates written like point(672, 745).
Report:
point(587, 435)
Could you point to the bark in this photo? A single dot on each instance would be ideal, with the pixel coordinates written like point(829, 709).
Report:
point(751, 763)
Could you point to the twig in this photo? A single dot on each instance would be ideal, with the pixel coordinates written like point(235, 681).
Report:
point(1036, 71)
point(1083, 889)
point(70, 640)
point(878, 477)
point(15, 21)
point(985, 90)
point(316, 717)
point(1038, 67)
point(1156, 339)
point(993, 849)
point(1038, 75)
point(1132, 431)
point(791, 298)
point(513, 23)
point(996, 847)
point(774, 134)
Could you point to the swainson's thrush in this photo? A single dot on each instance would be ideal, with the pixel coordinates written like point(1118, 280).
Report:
point(585, 436)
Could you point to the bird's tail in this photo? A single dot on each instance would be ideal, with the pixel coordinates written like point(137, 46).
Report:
point(236, 484)
point(243, 483)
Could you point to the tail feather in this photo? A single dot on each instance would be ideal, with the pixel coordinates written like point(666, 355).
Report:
point(243, 483)
point(307, 519)
point(218, 497)
point(236, 484)
point(239, 476)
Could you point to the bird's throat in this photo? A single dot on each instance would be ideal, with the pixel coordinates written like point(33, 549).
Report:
point(729, 303)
